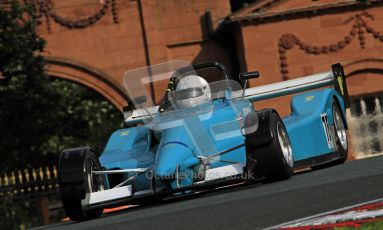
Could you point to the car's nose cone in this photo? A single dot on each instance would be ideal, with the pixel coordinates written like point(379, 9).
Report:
point(170, 156)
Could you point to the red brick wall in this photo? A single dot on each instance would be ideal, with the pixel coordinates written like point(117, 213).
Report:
point(174, 31)
point(261, 50)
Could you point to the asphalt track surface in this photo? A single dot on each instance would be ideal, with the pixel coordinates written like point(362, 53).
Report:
point(256, 206)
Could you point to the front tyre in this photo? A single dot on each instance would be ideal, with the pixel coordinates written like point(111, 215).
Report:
point(77, 180)
point(276, 158)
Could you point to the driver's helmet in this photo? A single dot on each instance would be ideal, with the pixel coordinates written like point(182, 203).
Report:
point(194, 81)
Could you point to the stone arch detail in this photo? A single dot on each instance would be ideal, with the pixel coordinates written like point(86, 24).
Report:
point(88, 76)
point(364, 76)
point(358, 31)
point(369, 65)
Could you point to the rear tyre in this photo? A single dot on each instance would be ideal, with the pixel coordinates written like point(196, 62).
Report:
point(275, 158)
point(340, 134)
point(73, 193)
point(341, 143)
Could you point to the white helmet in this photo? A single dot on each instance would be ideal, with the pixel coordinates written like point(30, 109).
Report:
point(194, 81)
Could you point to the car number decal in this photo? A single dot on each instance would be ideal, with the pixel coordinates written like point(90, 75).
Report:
point(327, 130)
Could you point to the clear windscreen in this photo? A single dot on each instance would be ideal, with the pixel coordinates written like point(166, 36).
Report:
point(174, 90)
point(146, 86)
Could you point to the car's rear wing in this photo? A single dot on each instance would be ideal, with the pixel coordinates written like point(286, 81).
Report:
point(334, 78)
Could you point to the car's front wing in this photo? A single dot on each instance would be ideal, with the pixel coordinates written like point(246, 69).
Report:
point(126, 194)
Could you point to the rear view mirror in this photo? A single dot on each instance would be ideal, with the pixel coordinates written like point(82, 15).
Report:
point(127, 111)
point(248, 75)
point(139, 103)
point(139, 100)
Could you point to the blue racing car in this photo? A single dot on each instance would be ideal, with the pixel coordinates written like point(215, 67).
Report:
point(191, 126)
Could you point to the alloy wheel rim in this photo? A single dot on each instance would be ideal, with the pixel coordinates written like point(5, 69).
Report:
point(285, 145)
point(94, 181)
point(340, 129)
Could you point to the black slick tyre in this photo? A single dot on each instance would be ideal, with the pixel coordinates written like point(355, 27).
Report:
point(73, 193)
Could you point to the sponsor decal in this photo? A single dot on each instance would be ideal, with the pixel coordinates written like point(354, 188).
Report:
point(340, 83)
point(309, 98)
point(124, 133)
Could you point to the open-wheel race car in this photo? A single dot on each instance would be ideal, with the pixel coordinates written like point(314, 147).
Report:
point(191, 127)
